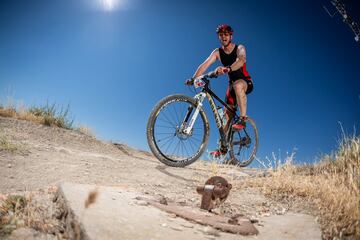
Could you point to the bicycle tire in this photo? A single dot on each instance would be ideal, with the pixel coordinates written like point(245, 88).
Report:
point(162, 155)
point(242, 143)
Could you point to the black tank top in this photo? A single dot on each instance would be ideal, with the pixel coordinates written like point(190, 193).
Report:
point(228, 59)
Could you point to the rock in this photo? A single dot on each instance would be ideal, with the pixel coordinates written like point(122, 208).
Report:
point(2, 197)
point(267, 214)
point(187, 225)
point(210, 231)
point(163, 201)
point(233, 221)
point(29, 234)
point(254, 220)
point(176, 228)
point(280, 211)
point(182, 203)
point(141, 203)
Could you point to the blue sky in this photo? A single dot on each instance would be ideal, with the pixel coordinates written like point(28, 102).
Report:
point(113, 64)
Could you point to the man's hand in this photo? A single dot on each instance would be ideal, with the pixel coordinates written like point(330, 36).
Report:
point(189, 82)
point(221, 70)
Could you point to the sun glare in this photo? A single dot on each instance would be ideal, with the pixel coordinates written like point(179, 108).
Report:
point(111, 5)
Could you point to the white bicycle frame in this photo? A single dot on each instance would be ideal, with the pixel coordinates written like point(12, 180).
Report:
point(200, 98)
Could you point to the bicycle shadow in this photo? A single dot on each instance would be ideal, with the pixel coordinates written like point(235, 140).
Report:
point(162, 169)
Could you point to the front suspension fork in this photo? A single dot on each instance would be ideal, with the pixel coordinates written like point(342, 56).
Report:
point(199, 100)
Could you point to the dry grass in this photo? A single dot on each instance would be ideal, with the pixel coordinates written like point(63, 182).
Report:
point(6, 145)
point(10, 210)
point(49, 114)
point(86, 130)
point(331, 186)
point(33, 209)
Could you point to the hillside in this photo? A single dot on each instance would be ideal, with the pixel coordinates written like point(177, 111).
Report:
point(37, 158)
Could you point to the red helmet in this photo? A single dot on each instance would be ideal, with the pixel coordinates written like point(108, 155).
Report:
point(224, 28)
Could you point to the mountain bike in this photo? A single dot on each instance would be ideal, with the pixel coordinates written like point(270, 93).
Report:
point(178, 129)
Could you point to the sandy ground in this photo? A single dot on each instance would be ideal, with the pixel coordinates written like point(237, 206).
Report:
point(47, 156)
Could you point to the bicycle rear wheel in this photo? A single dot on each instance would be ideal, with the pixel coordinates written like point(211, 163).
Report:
point(244, 144)
point(165, 131)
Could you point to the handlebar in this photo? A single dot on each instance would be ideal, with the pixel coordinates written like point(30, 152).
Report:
point(205, 77)
point(211, 74)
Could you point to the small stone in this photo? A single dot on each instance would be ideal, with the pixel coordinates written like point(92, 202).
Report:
point(2, 197)
point(211, 231)
point(176, 228)
point(233, 221)
point(172, 215)
point(163, 201)
point(142, 203)
point(164, 225)
point(187, 225)
point(254, 220)
point(9, 165)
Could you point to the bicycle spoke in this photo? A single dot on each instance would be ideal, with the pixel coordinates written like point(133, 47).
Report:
point(160, 140)
point(167, 141)
point(244, 144)
point(169, 120)
point(169, 145)
point(172, 143)
point(177, 117)
point(165, 127)
point(176, 151)
point(192, 145)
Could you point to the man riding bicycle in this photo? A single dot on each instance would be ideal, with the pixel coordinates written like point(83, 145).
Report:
point(233, 58)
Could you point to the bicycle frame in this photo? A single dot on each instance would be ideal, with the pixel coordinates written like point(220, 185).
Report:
point(207, 92)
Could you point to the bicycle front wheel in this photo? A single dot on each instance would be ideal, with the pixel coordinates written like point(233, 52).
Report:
point(165, 131)
point(244, 144)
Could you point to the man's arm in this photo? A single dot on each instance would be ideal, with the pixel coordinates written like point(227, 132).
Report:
point(240, 60)
point(207, 63)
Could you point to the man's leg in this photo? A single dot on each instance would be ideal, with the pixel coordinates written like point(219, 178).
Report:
point(230, 99)
point(229, 117)
point(240, 87)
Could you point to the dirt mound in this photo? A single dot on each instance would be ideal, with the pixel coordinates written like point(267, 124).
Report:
point(45, 156)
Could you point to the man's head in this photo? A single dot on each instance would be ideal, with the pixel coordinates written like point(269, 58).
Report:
point(224, 32)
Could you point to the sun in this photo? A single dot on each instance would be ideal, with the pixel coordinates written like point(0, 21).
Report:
point(110, 5)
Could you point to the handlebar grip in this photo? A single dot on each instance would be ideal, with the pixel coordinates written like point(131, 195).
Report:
point(212, 74)
point(189, 82)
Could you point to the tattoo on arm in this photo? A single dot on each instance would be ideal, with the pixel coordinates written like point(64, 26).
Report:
point(241, 52)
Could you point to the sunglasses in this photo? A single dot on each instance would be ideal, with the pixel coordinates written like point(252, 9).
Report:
point(226, 34)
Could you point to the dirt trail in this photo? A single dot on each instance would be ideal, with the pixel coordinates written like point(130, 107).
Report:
point(47, 156)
